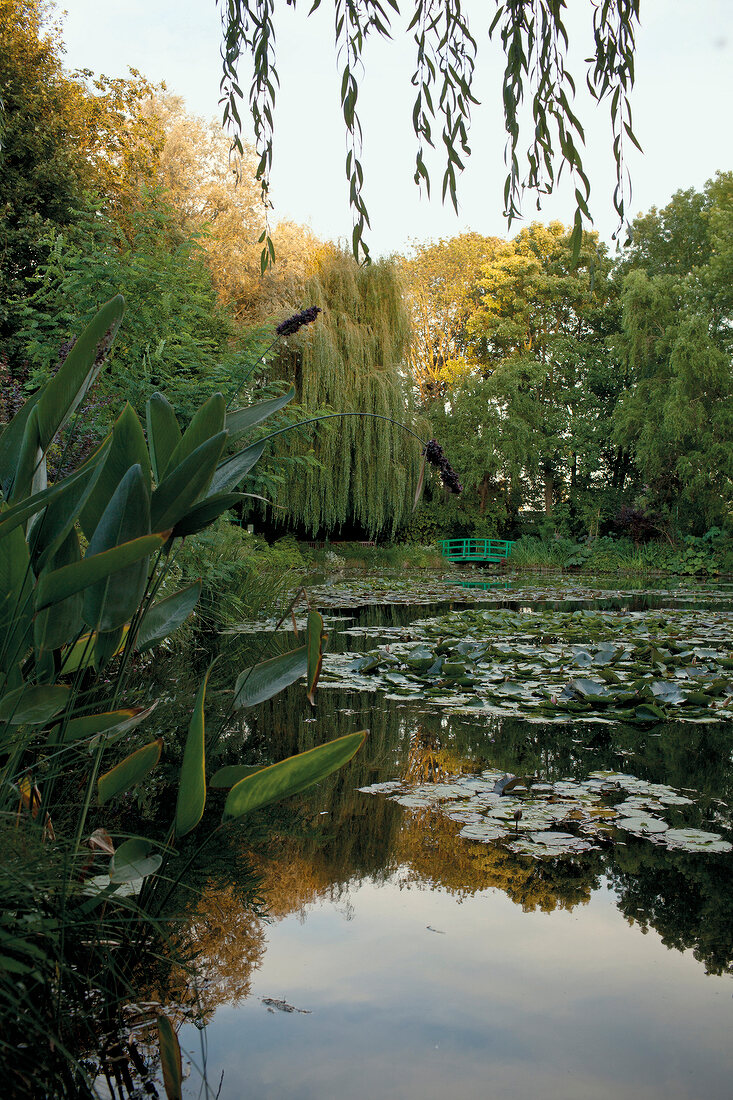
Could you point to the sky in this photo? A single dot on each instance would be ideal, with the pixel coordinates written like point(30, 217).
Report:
point(681, 104)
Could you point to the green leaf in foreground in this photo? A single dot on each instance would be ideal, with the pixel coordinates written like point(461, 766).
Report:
point(57, 586)
point(192, 787)
point(170, 1059)
point(129, 771)
point(262, 681)
point(166, 616)
point(232, 773)
point(315, 639)
point(290, 776)
point(33, 705)
point(132, 861)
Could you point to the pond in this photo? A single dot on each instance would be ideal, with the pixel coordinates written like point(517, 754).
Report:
point(522, 885)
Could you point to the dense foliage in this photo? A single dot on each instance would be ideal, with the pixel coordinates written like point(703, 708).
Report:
point(598, 393)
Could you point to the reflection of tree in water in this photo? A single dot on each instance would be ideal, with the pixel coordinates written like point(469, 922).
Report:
point(428, 845)
point(687, 900)
point(320, 845)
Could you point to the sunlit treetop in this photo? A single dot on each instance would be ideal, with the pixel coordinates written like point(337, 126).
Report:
point(537, 94)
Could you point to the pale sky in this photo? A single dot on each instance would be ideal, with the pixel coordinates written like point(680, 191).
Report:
point(681, 103)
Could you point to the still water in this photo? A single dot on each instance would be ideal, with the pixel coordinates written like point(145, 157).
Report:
point(401, 960)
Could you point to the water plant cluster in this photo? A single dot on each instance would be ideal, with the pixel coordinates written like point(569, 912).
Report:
point(612, 665)
point(566, 817)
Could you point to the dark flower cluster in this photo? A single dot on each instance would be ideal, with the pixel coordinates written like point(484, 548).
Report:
point(292, 324)
point(434, 454)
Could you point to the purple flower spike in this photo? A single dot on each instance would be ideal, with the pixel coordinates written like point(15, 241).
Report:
point(292, 324)
point(434, 455)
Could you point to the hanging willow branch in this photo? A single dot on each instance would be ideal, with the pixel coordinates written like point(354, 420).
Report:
point(352, 359)
point(535, 42)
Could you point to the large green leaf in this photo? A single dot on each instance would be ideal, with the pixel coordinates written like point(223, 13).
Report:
point(54, 587)
point(232, 470)
point(68, 489)
point(126, 448)
point(164, 617)
point(129, 771)
point(132, 860)
point(290, 776)
point(205, 512)
point(10, 444)
point(314, 642)
point(170, 1059)
point(164, 433)
point(29, 459)
point(232, 773)
point(207, 422)
point(32, 704)
point(107, 644)
point(181, 488)
point(68, 387)
point(262, 681)
point(239, 421)
point(82, 653)
point(110, 724)
point(53, 628)
point(111, 602)
point(192, 785)
point(16, 604)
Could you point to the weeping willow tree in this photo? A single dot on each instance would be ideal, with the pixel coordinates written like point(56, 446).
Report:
point(351, 360)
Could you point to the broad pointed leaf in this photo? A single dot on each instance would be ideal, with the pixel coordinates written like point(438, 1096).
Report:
point(205, 512)
point(315, 638)
point(164, 433)
point(61, 583)
point(262, 681)
point(192, 786)
point(239, 421)
point(231, 471)
point(76, 374)
point(170, 1059)
point(10, 444)
point(111, 602)
point(129, 771)
point(126, 448)
point(33, 705)
point(111, 724)
point(132, 860)
point(53, 628)
point(164, 617)
point(290, 776)
point(181, 488)
point(207, 422)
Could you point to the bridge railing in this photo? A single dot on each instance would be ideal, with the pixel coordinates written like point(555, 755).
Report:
point(475, 549)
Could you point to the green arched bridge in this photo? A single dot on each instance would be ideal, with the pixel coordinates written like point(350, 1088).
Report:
point(475, 549)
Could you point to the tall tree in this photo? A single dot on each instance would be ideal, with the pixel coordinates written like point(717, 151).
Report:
point(351, 361)
point(676, 417)
point(442, 281)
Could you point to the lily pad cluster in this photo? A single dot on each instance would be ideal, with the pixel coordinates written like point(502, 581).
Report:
point(563, 818)
point(637, 667)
